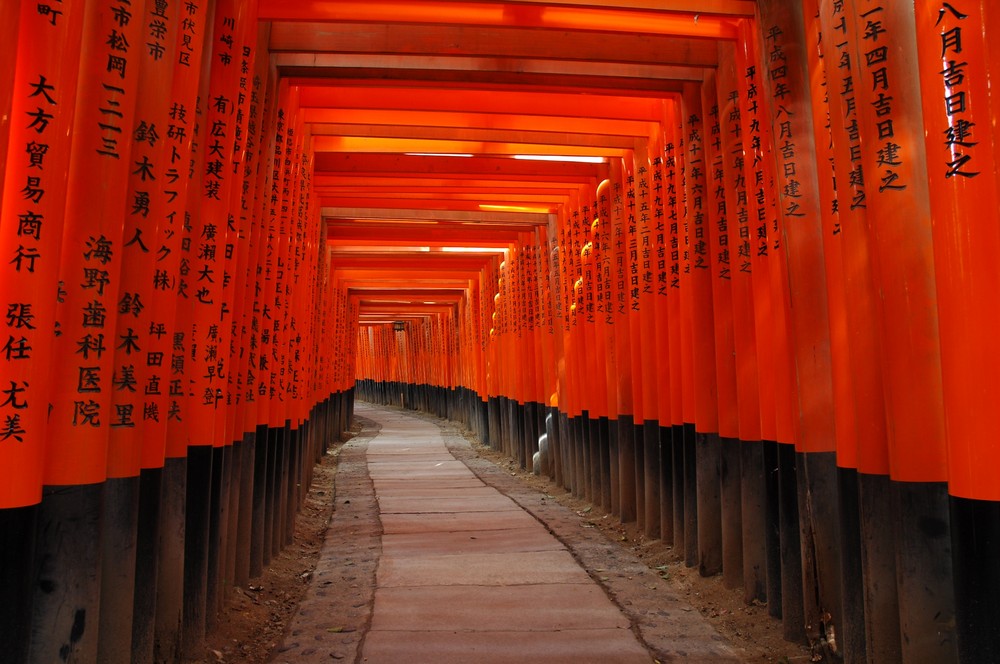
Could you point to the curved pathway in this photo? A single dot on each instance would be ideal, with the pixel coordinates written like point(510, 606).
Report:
point(427, 562)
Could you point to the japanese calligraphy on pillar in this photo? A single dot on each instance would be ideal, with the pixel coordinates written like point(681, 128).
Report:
point(722, 259)
point(698, 247)
point(844, 124)
point(876, 64)
point(959, 142)
point(31, 222)
point(139, 384)
point(670, 167)
point(620, 240)
point(737, 162)
point(632, 232)
point(166, 352)
point(90, 261)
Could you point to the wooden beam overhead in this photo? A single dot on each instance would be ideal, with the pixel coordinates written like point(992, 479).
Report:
point(387, 97)
point(401, 165)
point(337, 62)
point(444, 119)
point(415, 183)
point(488, 80)
point(427, 216)
point(521, 43)
point(473, 135)
point(662, 21)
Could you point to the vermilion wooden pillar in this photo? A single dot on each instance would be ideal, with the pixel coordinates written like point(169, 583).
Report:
point(37, 136)
point(801, 242)
point(138, 437)
point(646, 236)
point(718, 218)
point(954, 67)
point(170, 286)
point(81, 413)
point(899, 199)
point(705, 399)
point(753, 493)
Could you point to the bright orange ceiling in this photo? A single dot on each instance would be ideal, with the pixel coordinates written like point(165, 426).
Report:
point(380, 80)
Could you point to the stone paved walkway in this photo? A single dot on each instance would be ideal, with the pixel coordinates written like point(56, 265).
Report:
point(426, 562)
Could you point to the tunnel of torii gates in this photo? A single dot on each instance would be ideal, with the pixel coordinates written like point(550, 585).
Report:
point(737, 260)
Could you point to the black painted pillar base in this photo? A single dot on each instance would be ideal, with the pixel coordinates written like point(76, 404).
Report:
point(196, 547)
point(67, 597)
point(819, 525)
point(217, 522)
point(924, 572)
point(588, 454)
point(614, 468)
point(573, 458)
point(119, 534)
point(17, 551)
point(258, 517)
point(772, 530)
point(690, 495)
point(666, 443)
point(555, 445)
point(878, 559)
point(234, 474)
point(626, 468)
point(709, 459)
point(975, 536)
point(170, 574)
point(850, 633)
point(793, 618)
point(146, 565)
point(639, 445)
point(244, 529)
point(651, 479)
point(753, 510)
point(604, 461)
point(677, 471)
point(732, 513)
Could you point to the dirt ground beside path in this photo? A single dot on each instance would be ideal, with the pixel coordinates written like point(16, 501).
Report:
point(257, 618)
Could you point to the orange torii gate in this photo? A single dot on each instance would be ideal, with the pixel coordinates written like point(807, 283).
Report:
point(735, 259)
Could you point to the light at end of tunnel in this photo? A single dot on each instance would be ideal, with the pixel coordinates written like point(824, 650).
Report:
point(564, 157)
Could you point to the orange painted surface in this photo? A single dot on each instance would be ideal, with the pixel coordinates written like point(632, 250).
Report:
point(659, 254)
point(140, 379)
point(752, 86)
point(90, 259)
point(172, 274)
point(704, 388)
point(646, 263)
point(503, 14)
point(718, 219)
point(31, 216)
point(899, 226)
point(674, 169)
point(867, 402)
point(474, 101)
point(954, 70)
point(827, 170)
point(620, 295)
point(740, 248)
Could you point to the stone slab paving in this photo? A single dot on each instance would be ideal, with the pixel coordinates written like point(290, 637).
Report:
point(460, 567)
